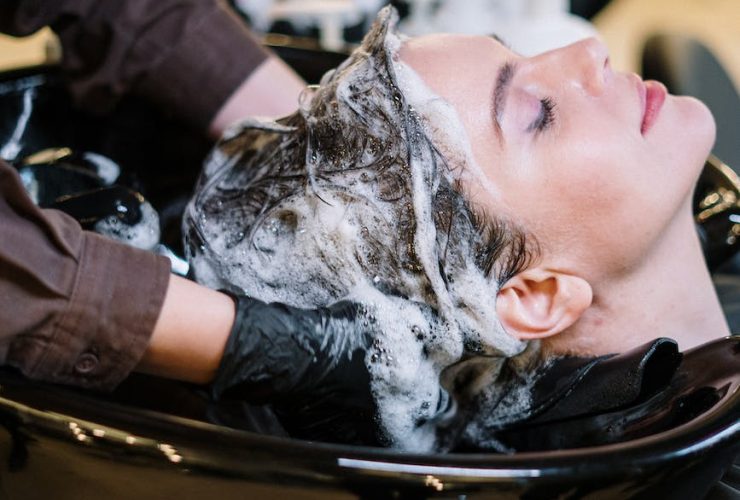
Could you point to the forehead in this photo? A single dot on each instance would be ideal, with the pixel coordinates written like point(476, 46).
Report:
point(461, 69)
point(455, 64)
point(452, 50)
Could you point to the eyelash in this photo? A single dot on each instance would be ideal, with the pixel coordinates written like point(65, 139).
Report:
point(546, 116)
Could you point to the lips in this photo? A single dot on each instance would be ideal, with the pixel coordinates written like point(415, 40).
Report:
point(655, 93)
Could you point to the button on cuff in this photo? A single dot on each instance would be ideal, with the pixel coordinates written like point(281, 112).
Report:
point(86, 363)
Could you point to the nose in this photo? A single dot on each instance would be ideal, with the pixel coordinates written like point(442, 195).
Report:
point(585, 63)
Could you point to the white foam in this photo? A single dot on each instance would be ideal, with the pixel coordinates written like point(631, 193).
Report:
point(441, 120)
point(443, 124)
point(31, 184)
point(313, 248)
point(144, 234)
point(107, 169)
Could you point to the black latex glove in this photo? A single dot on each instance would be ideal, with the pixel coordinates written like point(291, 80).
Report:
point(308, 364)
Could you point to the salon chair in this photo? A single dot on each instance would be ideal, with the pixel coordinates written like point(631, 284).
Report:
point(154, 438)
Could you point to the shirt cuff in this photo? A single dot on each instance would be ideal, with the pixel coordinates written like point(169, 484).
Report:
point(106, 327)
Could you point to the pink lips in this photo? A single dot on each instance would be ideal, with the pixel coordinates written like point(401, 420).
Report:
point(655, 93)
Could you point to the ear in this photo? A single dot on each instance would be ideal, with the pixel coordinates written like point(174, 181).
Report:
point(538, 303)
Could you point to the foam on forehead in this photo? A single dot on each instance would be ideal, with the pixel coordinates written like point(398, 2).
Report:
point(440, 119)
point(442, 125)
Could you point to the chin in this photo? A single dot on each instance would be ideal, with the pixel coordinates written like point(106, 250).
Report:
point(700, 129)
point(682, 138)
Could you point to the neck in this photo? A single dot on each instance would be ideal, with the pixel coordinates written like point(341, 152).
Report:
point(669, 295)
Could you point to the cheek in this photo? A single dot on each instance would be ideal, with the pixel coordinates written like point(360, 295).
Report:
point(589, 179)
point(588, 193)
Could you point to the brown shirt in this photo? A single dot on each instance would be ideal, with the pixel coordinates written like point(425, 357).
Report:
point(186, 55)
point(71, 309)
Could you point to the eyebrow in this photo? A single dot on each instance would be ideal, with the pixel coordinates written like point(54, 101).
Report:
point(501, 40)
point(503, 79)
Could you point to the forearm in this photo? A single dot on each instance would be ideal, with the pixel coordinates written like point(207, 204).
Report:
point(75, 308)
point(272, 90)
point(190, 335)
point(92, 309)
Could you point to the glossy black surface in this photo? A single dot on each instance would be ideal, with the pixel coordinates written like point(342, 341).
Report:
point(717, 212)
point(159, 157)
point(71, 444)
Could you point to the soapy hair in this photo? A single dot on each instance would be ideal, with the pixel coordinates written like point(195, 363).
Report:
point(352, 197)
point(353, 145)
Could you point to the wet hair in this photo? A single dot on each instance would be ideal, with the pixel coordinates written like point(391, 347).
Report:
point(351, 146)
point(358, 196)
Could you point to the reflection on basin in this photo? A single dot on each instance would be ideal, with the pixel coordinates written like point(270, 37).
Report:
point(151, 439)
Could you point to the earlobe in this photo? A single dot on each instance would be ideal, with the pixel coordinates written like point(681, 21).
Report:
point(538, 303)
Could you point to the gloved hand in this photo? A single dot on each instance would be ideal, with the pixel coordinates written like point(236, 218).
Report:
point(308, 364)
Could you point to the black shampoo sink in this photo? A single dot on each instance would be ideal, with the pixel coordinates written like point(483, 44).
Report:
point(151, 439)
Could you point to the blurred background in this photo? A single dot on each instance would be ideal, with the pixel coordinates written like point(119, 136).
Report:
point(625, 25)
point(691, 45)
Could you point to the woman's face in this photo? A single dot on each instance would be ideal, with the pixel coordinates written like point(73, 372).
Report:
point(592, 162)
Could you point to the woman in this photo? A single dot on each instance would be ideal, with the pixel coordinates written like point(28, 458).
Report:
point(452, 188)
point(601, 167)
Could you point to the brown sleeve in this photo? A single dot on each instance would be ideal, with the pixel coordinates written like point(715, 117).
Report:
point(188, 56)
point(75, 308)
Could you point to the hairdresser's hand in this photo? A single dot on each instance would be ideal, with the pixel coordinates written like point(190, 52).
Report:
point(308, 364)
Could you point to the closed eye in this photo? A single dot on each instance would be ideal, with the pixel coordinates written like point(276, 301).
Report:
point(545, 118)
